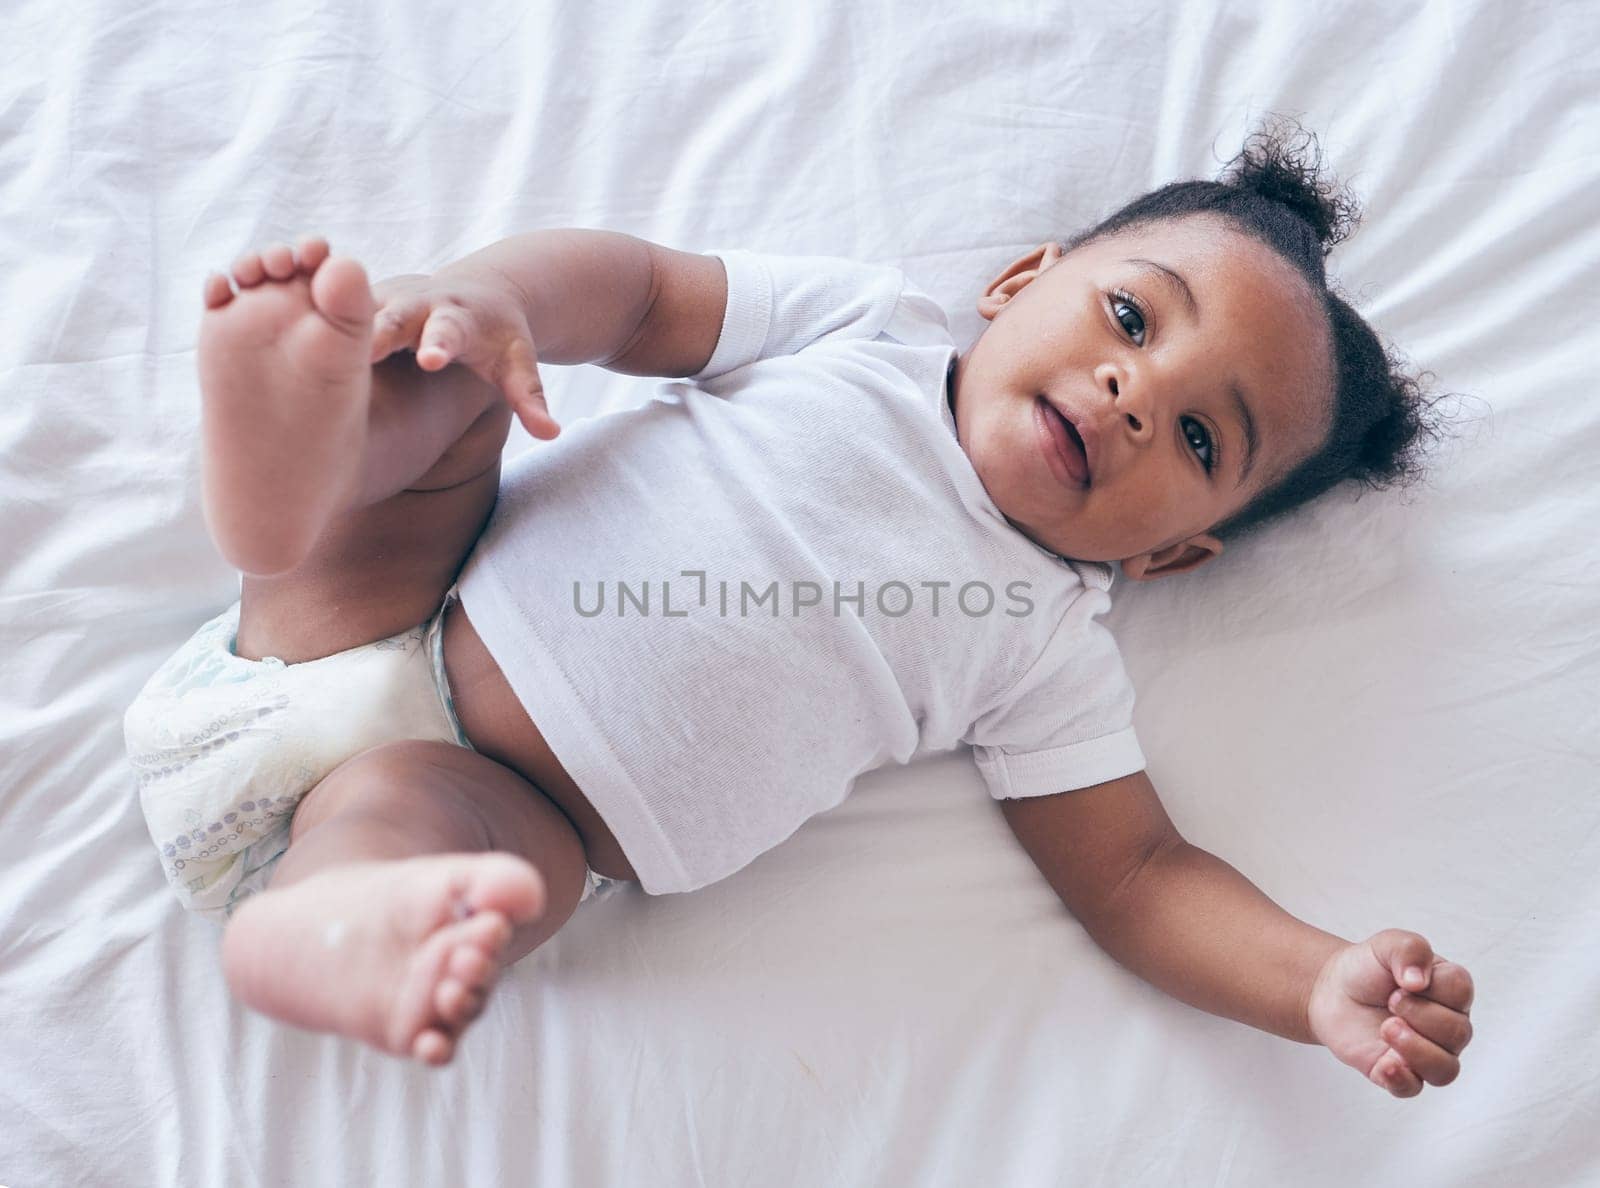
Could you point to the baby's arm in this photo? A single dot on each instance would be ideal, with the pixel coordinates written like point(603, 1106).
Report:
point(1192, 925)
point(607, 298)
point(566, 295)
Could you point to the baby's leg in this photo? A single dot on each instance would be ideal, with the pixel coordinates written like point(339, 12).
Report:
point(349, 494)
point(297, 425)
point(358, 932)
point(391, 911)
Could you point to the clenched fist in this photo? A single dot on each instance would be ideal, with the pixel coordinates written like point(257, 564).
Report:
point(1394, 1011)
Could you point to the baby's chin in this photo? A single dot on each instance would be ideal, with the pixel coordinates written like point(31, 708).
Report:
point(1051, 529)
point(1056, 541)
point(1041, 511)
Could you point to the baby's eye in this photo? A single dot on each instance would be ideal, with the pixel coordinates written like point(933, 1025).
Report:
point(1125, 302)
point(1209, 457)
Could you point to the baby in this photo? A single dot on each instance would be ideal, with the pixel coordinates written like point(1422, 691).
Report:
point(449, 706)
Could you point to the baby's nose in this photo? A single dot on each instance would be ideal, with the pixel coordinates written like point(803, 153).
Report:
point(1131, 401)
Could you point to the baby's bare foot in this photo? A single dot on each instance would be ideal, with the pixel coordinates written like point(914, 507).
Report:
point(285, 382)
point(399, 954)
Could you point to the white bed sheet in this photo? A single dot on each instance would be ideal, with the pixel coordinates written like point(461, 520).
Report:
point(1384, 713)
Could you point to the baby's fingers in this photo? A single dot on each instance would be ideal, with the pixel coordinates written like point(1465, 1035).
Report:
point(1427, 1059)
point(1445, 1026)
point(1392, 1074)
point(396, 326)
point(444, 336)
point(1450, 984)
point(517, 374)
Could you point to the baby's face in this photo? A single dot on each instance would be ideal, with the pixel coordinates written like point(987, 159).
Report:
point(1150, 387)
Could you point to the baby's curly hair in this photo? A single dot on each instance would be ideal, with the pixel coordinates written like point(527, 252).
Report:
point(1273, 191)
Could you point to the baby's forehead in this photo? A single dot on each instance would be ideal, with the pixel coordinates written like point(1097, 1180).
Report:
point(1235, 268)
point(1202, 241)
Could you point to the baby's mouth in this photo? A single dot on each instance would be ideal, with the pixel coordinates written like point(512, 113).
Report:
point(1065, 452)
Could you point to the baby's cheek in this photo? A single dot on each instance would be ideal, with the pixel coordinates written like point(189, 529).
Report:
point(1176, 515)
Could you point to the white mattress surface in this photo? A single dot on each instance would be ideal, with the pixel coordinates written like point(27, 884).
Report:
point(1383, 712)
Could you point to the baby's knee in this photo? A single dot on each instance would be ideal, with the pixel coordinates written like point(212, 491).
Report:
point(458, 800)
point(410, 780)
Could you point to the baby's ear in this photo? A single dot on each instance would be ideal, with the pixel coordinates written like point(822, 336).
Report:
point(1174, 559)
point(1016, 277)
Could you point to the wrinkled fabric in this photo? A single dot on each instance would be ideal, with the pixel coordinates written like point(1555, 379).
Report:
point(1382, 712)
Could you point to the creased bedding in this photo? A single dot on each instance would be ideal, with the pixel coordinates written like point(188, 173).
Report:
point(1383, 712)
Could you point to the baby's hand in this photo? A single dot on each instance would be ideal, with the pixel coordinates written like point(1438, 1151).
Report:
point(468, 319)
point(1390, 1009)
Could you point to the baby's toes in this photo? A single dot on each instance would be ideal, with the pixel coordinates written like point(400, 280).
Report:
point(433, 1047)
point(218, 292)
point(278, 260)
point(313, 250)
point(458, 1004)
point(460, 995)
point(248, 271)
point(465, 986)
point(471, 966)
point(485, 933)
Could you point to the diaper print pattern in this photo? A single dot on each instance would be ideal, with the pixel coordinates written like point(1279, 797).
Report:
point(153, 766)
point(225, 747)
point(202, 737)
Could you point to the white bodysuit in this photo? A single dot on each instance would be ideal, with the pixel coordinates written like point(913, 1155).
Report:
point(782, 572)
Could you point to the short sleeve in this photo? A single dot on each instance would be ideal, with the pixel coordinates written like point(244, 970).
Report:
point(779, 305)
point(1068, 722)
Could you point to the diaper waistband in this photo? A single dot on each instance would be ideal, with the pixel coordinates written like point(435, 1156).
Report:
point(434, 642)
